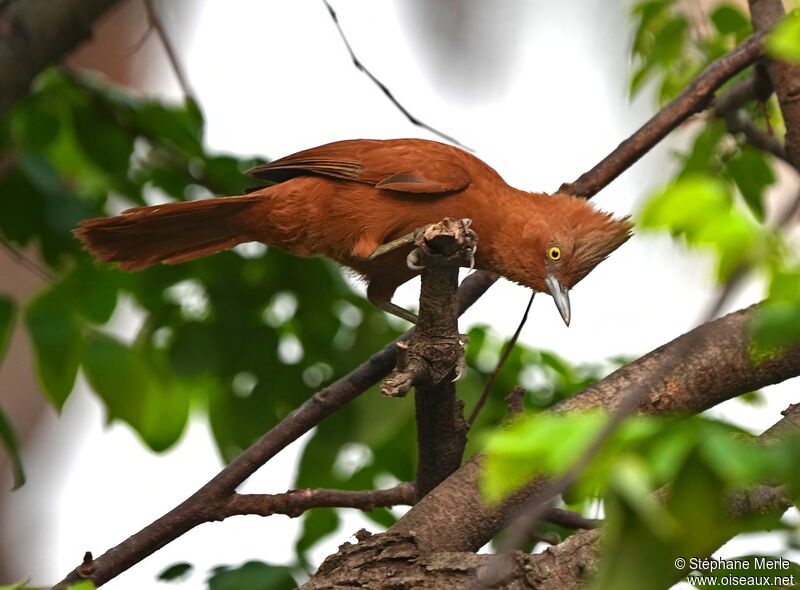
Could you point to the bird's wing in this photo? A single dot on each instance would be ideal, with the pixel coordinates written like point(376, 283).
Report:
point(405, 165)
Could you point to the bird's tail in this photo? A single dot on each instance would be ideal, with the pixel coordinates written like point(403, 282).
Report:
point(170, 233)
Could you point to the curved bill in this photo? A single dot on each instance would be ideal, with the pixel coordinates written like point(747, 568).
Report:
point(560, 296)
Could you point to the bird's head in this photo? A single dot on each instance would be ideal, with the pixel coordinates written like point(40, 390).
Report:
point(568, 239)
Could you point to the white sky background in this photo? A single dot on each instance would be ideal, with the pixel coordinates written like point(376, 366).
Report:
point(275, 76)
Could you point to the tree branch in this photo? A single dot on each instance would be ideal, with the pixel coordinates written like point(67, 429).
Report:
point(564, 568)
point(169, 49)
point(696, 97)
point(396, 557)
point(207, 501)
point(453, 517)
point(785, 77)
point(294, 502)
point(729, 108)
point(36, 33)
point(433, 358)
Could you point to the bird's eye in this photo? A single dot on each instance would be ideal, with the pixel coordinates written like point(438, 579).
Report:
point(554, 253)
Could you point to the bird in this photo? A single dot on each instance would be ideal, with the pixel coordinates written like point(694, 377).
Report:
point(348, 199)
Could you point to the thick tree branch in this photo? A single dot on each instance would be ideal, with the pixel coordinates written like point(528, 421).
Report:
point(785, 77)
point(396, 559)
point(208, 500)
point(567, 566)
point(35, 34)
point(696, 97)
point(453, 517)
point(294, 502)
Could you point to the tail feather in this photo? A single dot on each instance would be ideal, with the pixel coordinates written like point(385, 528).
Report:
point(169, 234)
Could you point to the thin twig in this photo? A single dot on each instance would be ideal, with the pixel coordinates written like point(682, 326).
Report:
point(383, 88)
point(137, 46)
point(169, 48)
point(728, 106)
point(295, 502)
point(570, 520)
point(487, 387)
point(25, 262)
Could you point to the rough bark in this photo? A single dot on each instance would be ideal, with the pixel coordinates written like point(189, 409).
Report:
point(35, 34)
point(395, 560)
point(453, 517)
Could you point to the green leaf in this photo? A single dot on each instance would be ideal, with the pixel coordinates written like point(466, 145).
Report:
point(751, 172)
point(687, 204)
point(7, 309)
point(127, 384)
point(175, 572)
point(704, 155)
point(253, 575)
point(8, 438)
point(728, 19)
point(776, 323)
point(57, 336)
point(700, 208)
point(103, 140)
point(91, 290)
point(525, 448)
point(784, 41)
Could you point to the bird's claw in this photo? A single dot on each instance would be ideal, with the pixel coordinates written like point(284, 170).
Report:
point(460, 369)
point(461, 364)
point(471, 256)
point(469, 238)
point(412, 261)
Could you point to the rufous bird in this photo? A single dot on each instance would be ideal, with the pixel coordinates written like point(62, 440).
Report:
point(345, 199)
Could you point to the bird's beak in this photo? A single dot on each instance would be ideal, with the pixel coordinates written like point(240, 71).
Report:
point(560, 296)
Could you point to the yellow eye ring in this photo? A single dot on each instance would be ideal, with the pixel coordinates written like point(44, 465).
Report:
point(554, 253)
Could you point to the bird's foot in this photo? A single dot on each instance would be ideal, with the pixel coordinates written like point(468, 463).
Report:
point(458, 237)
point(449, 237)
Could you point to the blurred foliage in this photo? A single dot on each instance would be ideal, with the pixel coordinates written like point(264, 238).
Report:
point(7, 436)
point(784, 41)
point(253, 575)
point(716, 199)
point(176, 572)
point(702, 461)
point(82, 585)
point(671, 46)
point(642, 455)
